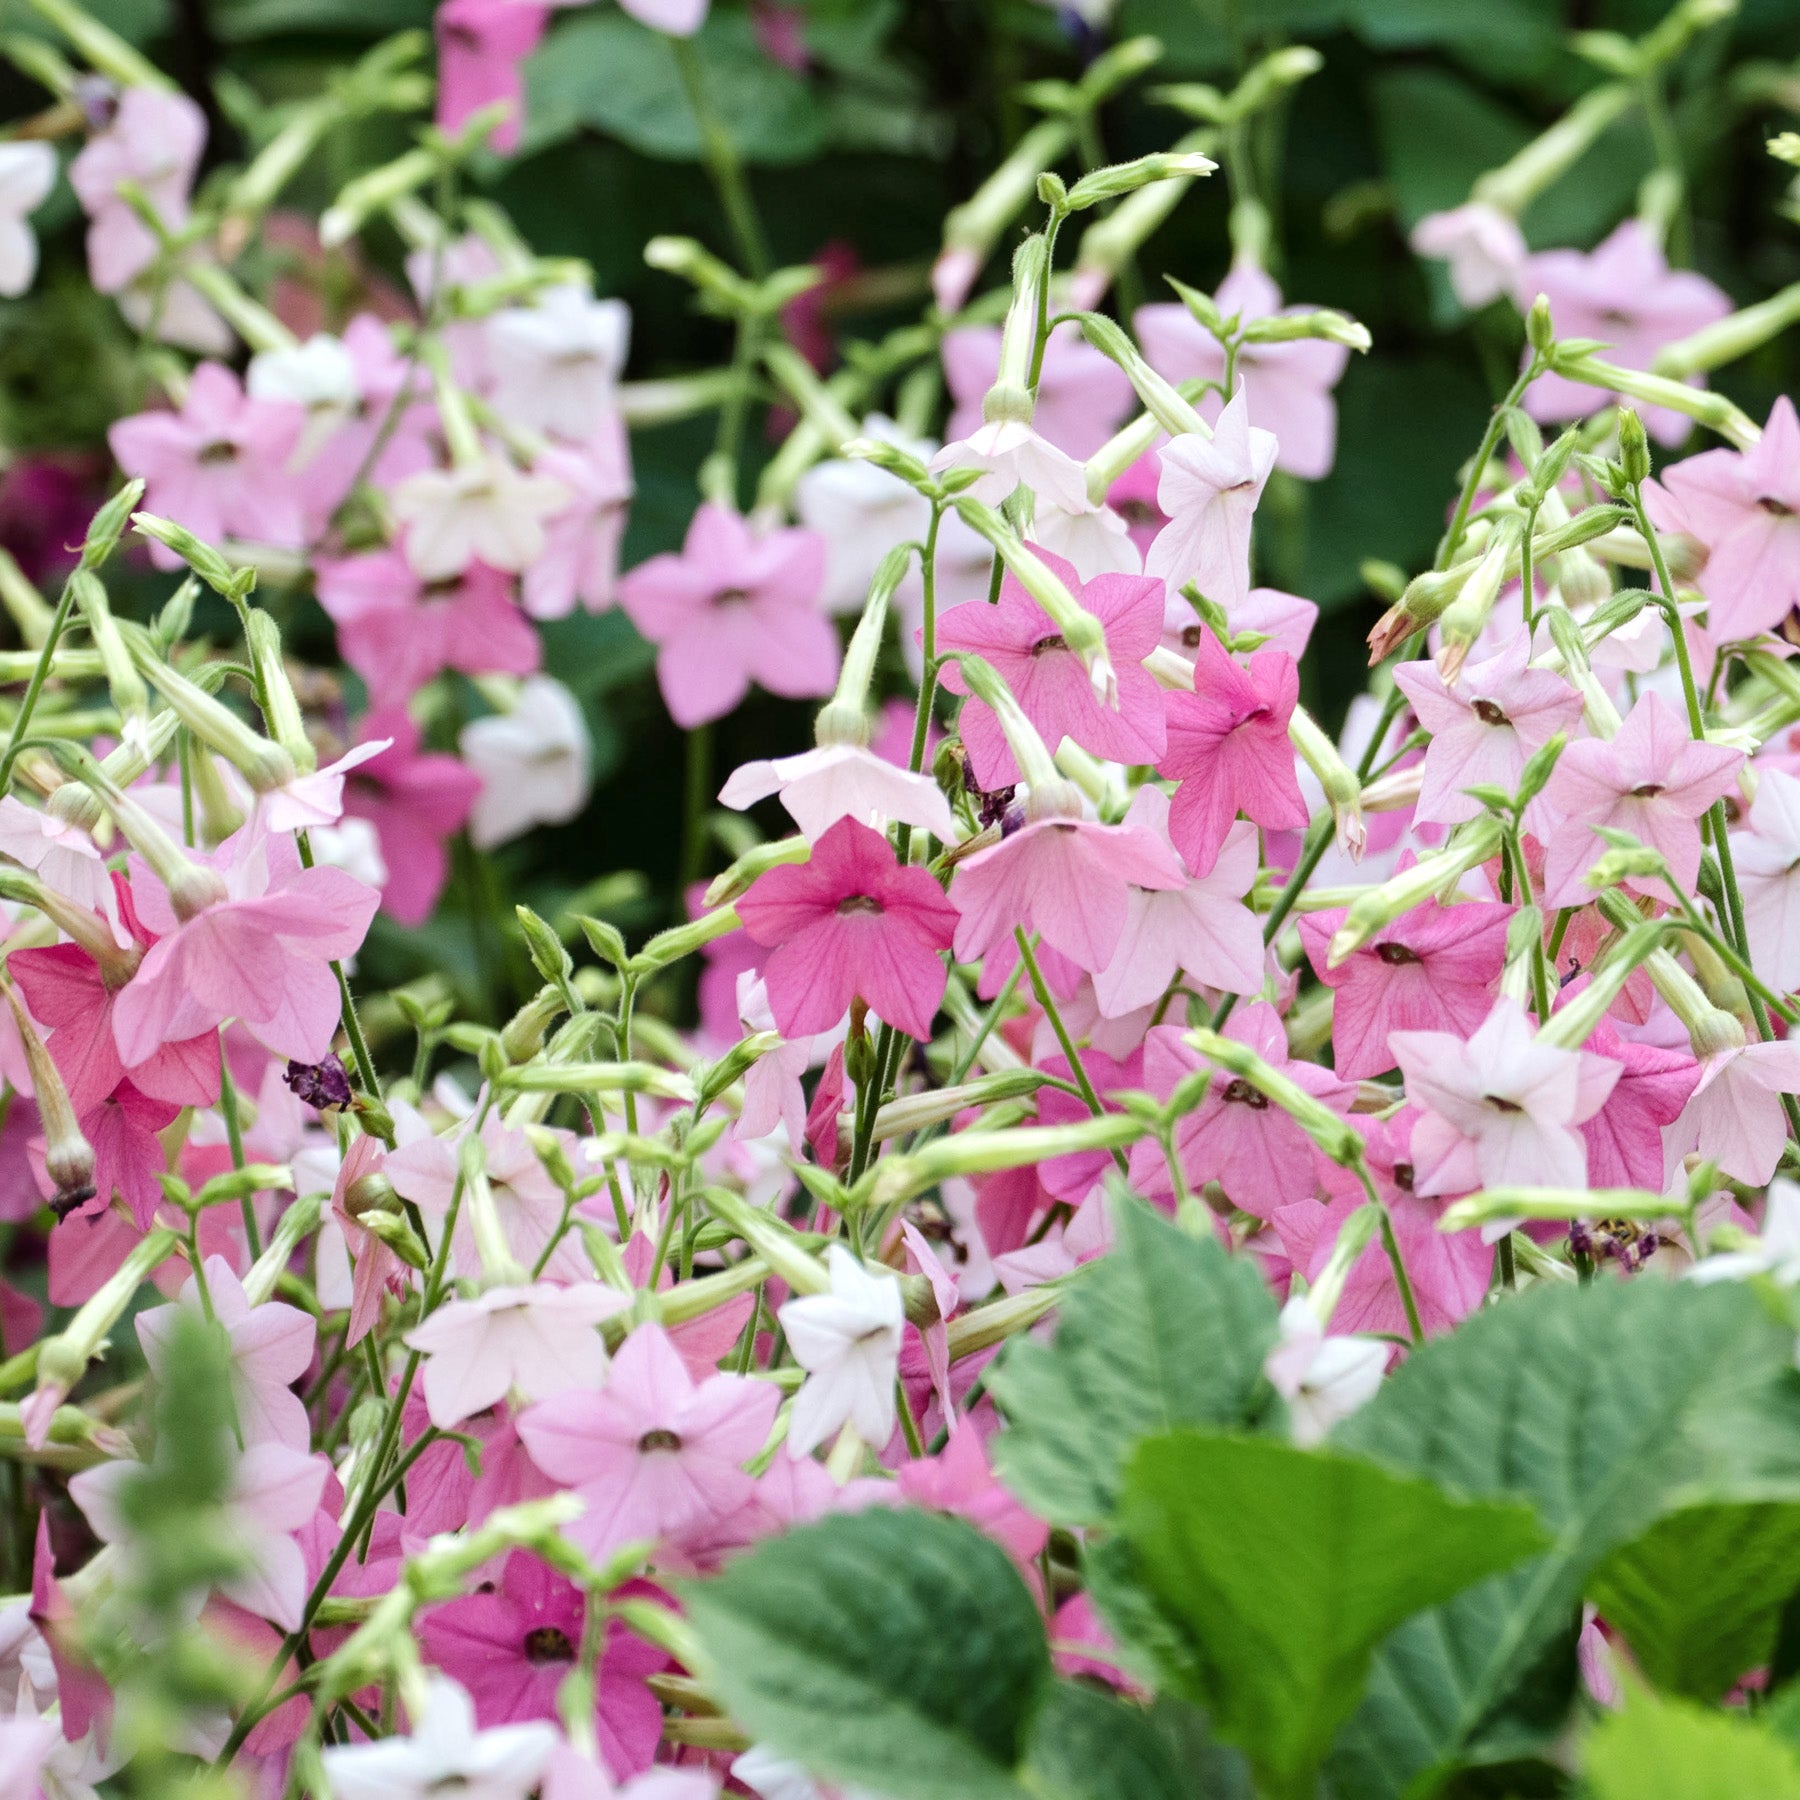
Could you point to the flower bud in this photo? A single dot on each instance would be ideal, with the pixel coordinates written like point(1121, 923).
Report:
point(1634, 447)
point(1343, 792)
point(1540, 330)
point(68, 1156)
point(281, 708)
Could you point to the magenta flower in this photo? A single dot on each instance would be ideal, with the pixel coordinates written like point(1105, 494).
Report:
point(1625, 294)
point(1432, 968)
point(1626, 1138)
point(1050, 682)
point(1500, 1110)
point(1744, 506)
point(1652, 780)
point(1229, 750)
point(219, 465)
point(850, 922)
point(397, 631)
point(129, 1157)
point(482, 45)
point(512, 1647)
point(271, 1348)
point(1235, 1136)
point(732, 608)
point(1288, 385)
point(415, 799)
point(262, 954)
point(1082, 394)
point(1069, 880)
point(1209, 489)
point(1484, 726)
point(655, 1455)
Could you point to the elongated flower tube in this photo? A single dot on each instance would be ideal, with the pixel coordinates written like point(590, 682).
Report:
point(1430, 875)
point(281, 708)
point(1553, 152)
point(1343, 792)
point(1162, 400)
point(126, 685)
point(68, 1156)
point(1051, 796)
point(973, 229)
point(265, 765)
point(1712, 410)
point(1355, 1236)
point(1010, 400)
point(1335, 1139)
point(845, 718)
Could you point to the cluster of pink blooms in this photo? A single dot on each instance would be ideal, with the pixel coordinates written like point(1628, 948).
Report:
point(1091, 904)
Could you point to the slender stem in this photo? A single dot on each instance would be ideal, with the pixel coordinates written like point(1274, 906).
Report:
point(722, 162)
point(1402, 1280)
point(234, 1136)
point(39, 673)
point(1047, 1001)
point(1490, 442)
point(696, 793)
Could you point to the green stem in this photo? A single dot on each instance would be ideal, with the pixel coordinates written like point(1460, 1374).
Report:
point(234, 1136)
point(695, 795)
point(1452, 538)
point(1047, 1000)
point(40, 672)
point(722, 162)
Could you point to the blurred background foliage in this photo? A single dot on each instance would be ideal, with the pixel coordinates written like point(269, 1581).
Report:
point(902, 108)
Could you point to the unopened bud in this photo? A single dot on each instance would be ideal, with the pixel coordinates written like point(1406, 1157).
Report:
point(1540, 331)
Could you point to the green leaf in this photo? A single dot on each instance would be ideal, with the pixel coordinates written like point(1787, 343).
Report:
point(1699, 1595)
point(1524, 1400)
point(893, 1649)
point(1283, 1568)
point(1674, 1751)
point(1167, 1330)
point(606, 71)
point(1086, 1746)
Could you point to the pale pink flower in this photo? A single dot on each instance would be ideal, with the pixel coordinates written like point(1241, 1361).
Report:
point(1203, 929)
point(1484, 726)
point(1625, 294)
point(842, 781)
point(271, 1348)
point(1652, 780)
point(1735, 1117)
point(1484, 247)
point(731, 608)
point(261, 954)
point(1082, 394)
point(848, 1341)
point(1050, 682)
point(773, 1096)
point(219, 465)
point(1744, 507)
point(63, 857)
point(580, 560)
point(315, 799)
point(1322, 1379)
point(1070, 880)
point(534, 763)
point(378, 1271)
point(1288, 386)
point(1229, 750)
point(1432, 968)
point(655, 1455)
point(482, 511)
point(154, 140)
point(537, 1340)
point(26, 1743)
point(27, 174)
point(1286, 620)
point(1209, 489)
point(849, 922)
point(1012, 454)
point(1768, 872)
point(555, 364)
point(482, 46)
point(1502, 1109)
point(862, 510)
point(444, 1752)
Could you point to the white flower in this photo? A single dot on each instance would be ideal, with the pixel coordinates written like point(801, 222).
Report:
point(27, 174)
point(1096, 540)
point(444, 1753)
point(838, 781)
point(848, 1341)
point(861, 510)
point(554, 365)
point(1775, 1253)
point(1323, 1379)
point(63, 857)
point(533, 763)
point(1013, 455)
point(41, 1764)
point(353, 845)
point(484, 511)
point(319, 375)
point(1483, 246)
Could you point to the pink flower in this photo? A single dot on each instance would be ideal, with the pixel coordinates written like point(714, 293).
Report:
point(1483, 246)
point(1202, 929)
point(1625, 294)
point(129, 1159)
point(1288, 386)
point(271, 1348)
point(219, 465)
point(512, 1647)
point(1011, 454)
point(1235, 1136)
point(1626, 1137)
point(415, 799)
point(1050, 682)
point(655, 1455)
point(155, 140)
point(851, 921)
point(1070, 880)
point(960, 1480)
point(580, 560)
point(1082, 394)
point(1744, 507)
point(1433, 967)
point(261, 954)
point(1209, 489)
point(1500, 1110)
point(63, 857)
point(378, 1270)
point(1735, 1117)
point(1484, 727)
point(730, 609)
point(397, 631)
point(1652, 780)
point(1229, 750)
point(539, 1340)
point(481, 47)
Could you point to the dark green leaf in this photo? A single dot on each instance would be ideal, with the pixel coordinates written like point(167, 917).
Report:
point(1166, 1330)
point(1086, 1746)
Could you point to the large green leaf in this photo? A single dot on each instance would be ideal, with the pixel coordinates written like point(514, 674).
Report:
point(1086, 1746)
point(1604, 1407)
point(896, 1650)
point(1699, 1595)
point(1281, 1569)
point(606, 71)
point(1668, 1750)
point(1167, 1330)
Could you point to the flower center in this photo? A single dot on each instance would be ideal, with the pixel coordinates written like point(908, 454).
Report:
point(1396, 954)
point(1488, 713)
point(659, 1439)
point(1244, 1094)
point(1775, 508)
point(1055, 641)
point(548, 1645)
point(858, 903)
point(219, 451)
point(733, 596)
point(1500, 1103)
point(1190, 637)
point(1139, 512)
point(1648, 791)
point(1403, 1177)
